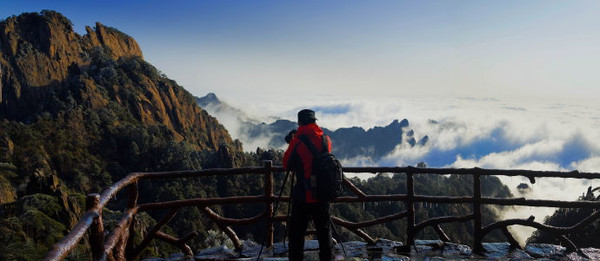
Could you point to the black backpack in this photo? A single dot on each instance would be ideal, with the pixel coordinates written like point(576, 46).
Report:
point(327, 180)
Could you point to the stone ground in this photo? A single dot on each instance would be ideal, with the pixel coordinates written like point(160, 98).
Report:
point(384, 251)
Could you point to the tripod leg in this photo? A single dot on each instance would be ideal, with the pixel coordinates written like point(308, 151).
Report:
point(287, 174)
point(338, 237)
point(288, 214)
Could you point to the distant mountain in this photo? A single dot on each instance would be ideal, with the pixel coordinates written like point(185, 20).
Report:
point(210, 102)
point(348, 143)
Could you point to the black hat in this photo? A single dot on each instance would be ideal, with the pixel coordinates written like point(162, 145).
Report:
point(306, 116)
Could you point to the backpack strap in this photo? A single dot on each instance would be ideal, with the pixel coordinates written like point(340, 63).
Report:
point(309, 144)
point(312, 147)
point(315, 153)
point(325, 143)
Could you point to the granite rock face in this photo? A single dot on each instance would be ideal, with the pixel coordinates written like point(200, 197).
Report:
point(39, 51)
point(42, 57)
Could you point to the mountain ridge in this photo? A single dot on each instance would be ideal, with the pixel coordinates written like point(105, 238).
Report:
point(349, 142)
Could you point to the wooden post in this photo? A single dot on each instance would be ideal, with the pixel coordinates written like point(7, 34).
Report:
point(477, 236)
point(410, 214)
point(97, 227)
point(410, 208)
point(132, 202)
point(269, 196)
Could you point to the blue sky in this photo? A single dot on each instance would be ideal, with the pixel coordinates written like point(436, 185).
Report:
point(269, 50)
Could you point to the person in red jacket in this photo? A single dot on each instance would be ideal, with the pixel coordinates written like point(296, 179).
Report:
point(298, 158)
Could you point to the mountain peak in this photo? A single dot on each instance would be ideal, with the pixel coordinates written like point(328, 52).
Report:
point(215, 106)
point(120, 44)
point(210, 98)
point(48, 68)
point(40, 51)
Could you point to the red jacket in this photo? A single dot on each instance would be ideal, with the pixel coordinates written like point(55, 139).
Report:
point(297, 148)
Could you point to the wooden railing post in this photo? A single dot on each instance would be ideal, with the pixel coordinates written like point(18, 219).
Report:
point(96, 228)
point(477, 236)
point(269, 196)
point(131, 203)
point(410, 208)
point(410, 214)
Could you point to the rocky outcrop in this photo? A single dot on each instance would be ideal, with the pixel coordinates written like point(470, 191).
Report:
point(7, 148)
point(43, 60)
point(120, 44)
point(7, 192)
point(39, 51)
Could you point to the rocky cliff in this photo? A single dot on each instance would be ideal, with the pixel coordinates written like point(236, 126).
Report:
point(39, 49)
point(41, 56)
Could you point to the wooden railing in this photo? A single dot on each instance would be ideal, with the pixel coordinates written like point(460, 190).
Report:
point(118, 243)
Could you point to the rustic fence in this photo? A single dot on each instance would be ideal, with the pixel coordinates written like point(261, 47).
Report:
point(118, 244)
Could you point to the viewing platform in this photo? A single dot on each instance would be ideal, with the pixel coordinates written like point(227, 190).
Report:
point(119, 243)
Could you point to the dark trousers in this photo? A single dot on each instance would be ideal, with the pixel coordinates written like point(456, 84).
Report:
point(301, 213)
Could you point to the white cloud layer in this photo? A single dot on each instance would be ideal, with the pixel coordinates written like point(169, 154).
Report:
point(463, 132)
point(485, 133)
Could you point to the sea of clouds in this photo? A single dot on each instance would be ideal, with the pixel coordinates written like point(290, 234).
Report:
point(548, 135)
point(464, 132)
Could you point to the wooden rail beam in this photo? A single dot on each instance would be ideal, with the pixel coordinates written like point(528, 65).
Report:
point(178, 242)
point(152, 233)
point(117, 237)
point(354, 225)
point(439, 220)
point(220, 221)
point(441, 233)
point(200, 202)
